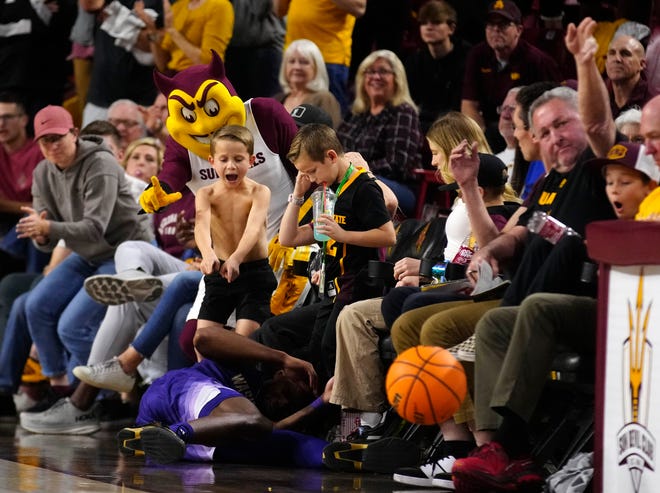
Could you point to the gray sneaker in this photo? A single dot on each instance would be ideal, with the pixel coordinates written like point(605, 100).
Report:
point(129, 285)
point(106, 375)
point(62, 418)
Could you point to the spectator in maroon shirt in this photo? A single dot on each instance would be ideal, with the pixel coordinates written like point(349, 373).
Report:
point(496, 65)
point(625, 65)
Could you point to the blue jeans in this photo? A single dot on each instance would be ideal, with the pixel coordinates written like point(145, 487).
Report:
point(11, 287)
point(61, 316)
point(169, 318)
point(15, 348)
point(23, 248)
point(405, 298)
point(338, 75)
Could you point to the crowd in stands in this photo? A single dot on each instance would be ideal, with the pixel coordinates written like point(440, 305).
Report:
point(173, 244)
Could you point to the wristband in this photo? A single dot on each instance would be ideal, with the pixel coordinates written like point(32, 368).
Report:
point(295, 200)
point(317, 403)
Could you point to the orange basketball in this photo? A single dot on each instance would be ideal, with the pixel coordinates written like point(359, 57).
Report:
point(426, 385)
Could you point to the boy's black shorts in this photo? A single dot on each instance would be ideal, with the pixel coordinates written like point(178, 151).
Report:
point(249, 294)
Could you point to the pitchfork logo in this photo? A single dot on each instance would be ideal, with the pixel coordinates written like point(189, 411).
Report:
point(636, 444)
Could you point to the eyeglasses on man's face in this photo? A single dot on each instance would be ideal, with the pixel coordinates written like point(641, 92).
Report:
point(505, 109)
point(121, 121)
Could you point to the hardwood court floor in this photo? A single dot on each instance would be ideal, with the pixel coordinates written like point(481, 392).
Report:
point(92, 464)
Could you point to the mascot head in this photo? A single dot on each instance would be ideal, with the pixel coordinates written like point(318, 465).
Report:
point(200, 100)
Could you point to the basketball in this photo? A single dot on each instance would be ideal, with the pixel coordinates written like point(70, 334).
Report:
point(426, 385)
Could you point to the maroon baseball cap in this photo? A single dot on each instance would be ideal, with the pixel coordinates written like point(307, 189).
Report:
point(506, 9)
point(631, 156)
point(52, 120)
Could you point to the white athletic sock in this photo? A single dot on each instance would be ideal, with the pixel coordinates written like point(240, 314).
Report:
point(370, 419)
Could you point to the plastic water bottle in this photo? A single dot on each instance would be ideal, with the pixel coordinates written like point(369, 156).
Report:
point(548, 227)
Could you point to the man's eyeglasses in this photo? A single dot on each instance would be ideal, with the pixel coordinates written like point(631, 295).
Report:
point(380, 72)
point(9, 116)
point(505, 109)
point(126, 123)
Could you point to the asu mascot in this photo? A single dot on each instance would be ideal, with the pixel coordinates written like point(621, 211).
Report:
point(201, 100)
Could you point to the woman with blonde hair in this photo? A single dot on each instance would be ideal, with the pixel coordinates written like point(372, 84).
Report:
point(304, 80)
point(384, 125)
point(449, 131)
point(142, 159)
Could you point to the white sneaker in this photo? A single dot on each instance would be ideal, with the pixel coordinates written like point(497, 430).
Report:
point(433, 473)
point(62, 418)
point(106, 375)
point(129, 285)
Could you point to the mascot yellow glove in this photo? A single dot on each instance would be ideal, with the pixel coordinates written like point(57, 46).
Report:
point(155, 197)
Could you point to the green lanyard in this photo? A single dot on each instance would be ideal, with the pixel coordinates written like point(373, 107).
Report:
point(343, 181)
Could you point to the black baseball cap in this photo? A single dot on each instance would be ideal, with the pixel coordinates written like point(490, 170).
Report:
point(506, 9)
point(492, 173)
point(308, 113)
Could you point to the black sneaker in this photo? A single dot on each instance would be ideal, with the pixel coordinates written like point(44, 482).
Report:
point(155, 442)
point(388, 454)
point(436, 470)
point(384, 455)
point(344, 456)
point(115, 414)
point(391, 425)
point(8, 412)
point(435, 473)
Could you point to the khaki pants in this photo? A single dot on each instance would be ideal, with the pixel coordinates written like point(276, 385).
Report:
point(445, 325)
point(359, 373)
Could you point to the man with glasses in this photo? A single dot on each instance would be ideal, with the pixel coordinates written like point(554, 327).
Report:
point(505, 128)
point(127, 117)
point(19, 155)
point(498, 64)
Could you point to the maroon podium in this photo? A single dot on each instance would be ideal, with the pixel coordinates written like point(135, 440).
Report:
point(627, 420)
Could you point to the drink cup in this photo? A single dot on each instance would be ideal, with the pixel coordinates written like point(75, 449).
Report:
point(323, 201)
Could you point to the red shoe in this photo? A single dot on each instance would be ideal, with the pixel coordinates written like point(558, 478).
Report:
point(489, 468)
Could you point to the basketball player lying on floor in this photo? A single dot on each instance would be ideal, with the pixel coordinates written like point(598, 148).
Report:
point(206, 412)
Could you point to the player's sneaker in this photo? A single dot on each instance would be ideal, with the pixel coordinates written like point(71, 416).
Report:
point(384, 455)
point(129, 285)
point(156, 442)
